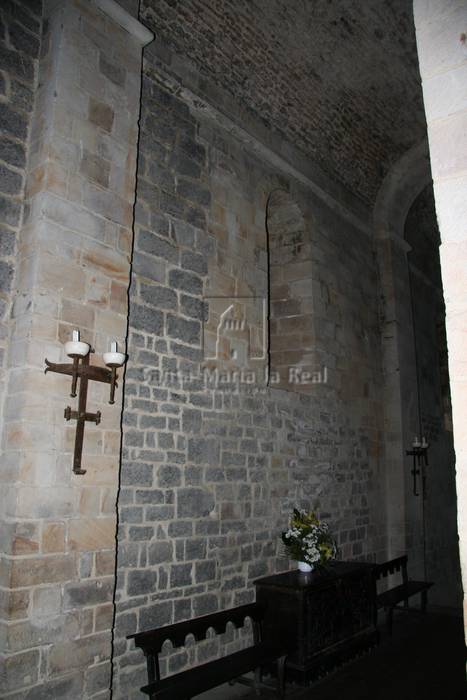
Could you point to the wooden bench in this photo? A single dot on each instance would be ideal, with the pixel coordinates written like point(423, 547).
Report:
point(391, 598)
point(187, 684)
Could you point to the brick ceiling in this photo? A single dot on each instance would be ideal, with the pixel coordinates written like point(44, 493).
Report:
point(337, 78)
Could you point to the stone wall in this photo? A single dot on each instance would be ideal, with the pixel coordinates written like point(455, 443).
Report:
point(441, 556)
point(210, 474)
point(292, 341)
point(442, 51)
point(20, 28)
point(73, 262)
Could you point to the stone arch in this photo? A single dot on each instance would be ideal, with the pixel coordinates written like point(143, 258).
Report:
point(401, 186)
point(291, 338)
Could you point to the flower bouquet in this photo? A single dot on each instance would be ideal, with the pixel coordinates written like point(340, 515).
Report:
point(308, 541)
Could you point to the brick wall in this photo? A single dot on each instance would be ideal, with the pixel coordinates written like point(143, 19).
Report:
point(291, 66)
point(209, 476)
point(20, 28)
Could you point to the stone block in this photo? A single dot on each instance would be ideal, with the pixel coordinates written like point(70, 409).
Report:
point(137, 473)
point(100, 114)
point(146, 319)
point(205, 604)
point(23, 41)
point(21, 97)
point(155, 513)
point(140, 533)
point(54, 274)
point(87, 593)
point(156, 615)
point(141, 582)
point(160, 297)
point(180, 528)
point(103, 617)
point(95, 168)
point(20, 670)
point(161, 177)
point(42, 630)
point(11, 182)
point(10, 211)
point(169, 476)
point(114, 72)
point(195, 549)
point(180, 575)
point(47, 569)
point(6, 276)
point(12, 122)
point(184, 330)
point(203, 451)
point(196, 308)
point(53, 537)
point(185, 281)
point(148, 242)
point(191, 420)
point(74, 217)
point(97, 678)
point(196, 151)
point(131, 514)
point(194, 503)
point(91, 533)
point(7, 239)
point(47, 602)
point(22, 537)
point(79, 653)
point(183, 165)
point(160, 553)
point(187, 353)
point(194, 262)
point(14, 605)
point(184, 234)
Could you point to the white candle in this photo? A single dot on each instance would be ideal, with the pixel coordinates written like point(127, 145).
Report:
point(113, 346)
point(416, 441)
point(424, 442)
point(76, 336)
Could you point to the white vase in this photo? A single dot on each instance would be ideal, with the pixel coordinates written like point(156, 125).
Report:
point(304, 567)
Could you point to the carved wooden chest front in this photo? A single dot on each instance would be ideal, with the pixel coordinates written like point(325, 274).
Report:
point(324, 617)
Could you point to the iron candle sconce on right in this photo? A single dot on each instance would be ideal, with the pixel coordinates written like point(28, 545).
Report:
point(419, 454)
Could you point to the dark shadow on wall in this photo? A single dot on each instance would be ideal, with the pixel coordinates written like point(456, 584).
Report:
point(434, 401)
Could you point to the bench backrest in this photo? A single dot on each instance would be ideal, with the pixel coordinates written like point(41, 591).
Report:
point(152, 640)
point(391, 567)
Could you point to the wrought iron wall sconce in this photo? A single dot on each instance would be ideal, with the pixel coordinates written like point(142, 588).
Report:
point(82, 370)
point(419, 454)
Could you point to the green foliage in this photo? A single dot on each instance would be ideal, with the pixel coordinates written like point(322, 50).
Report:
point(308, 539)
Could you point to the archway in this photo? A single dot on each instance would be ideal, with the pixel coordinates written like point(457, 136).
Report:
point(396, 213)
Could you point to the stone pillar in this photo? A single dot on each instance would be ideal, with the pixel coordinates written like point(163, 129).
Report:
point(59, 528)
point(401, 417)
point(441, 29)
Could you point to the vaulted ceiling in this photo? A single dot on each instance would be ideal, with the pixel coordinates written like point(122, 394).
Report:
point(337, 78)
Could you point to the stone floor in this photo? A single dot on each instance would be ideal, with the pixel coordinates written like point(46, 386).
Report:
point(424, 659)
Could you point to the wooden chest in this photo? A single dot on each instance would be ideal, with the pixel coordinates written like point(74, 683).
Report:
point(324, 617)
